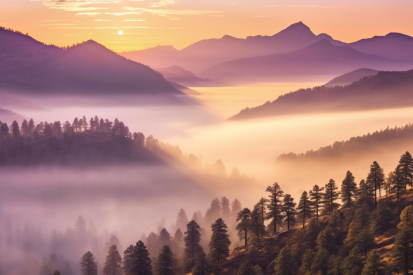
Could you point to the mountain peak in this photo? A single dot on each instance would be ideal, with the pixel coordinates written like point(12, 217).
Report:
point(228, 37)
point(298, 29)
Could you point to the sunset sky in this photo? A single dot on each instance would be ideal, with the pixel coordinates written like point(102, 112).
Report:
point(147, 23)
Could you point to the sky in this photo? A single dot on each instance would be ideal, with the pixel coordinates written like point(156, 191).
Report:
point(148, 23)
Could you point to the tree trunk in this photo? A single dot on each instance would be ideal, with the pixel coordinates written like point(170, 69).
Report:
point(245, 230)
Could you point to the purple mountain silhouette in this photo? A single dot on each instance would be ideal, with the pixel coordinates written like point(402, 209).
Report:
point(30, 67)
point(315, 62)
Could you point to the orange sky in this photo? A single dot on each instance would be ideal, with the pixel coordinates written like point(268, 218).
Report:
point(147, 23)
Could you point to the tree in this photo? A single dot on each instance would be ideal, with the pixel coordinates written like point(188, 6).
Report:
point(30, 127)
point(274, 207)
point(306, 262)
point(214, 212)
point(15, 130)
point(165, 262)
point(56, 272)
point(366, 193)
point(113, 262)
point(380, 218)
point(316, 196)
point(88, 265)
point(361, 221)
point(164, 238)
point(219, 244)
point(330, 196)
point(192, 247)
point(326, 240)
point(178, 243)
point(24, 128)
point(248, 269)
point(289, 210)
point(406, 169)
point(406, 218)
point(181, 220)
point(244, 219)
point(136, 260)
point(263, 207)
point(284, 263)
point(348, 190)
point(226, 211)
point(202, 266)
point(304, 207)
point(376, 178)
point(398, 182)
point(257, 227)
point(374, 265)
point(352, 263)
point(402, 252)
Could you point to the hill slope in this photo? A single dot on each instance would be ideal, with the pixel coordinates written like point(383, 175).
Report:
point(384, 90)
point(186, 78)
point(348, 78)
point(313, 62)
point(30, 67)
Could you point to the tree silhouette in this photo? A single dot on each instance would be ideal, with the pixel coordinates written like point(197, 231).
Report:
point(88, 265)
point(113, 263)
point(181, 220)
point(376, 178)
point(274, 213)
point(374, 265)
point(406, 169)
point(257, 227)
point(304, 208)
point(248, 269)
point(192, 247)
point(348, 190)
point(284, 263)
point(219, 244)
point(165, 262)
point(330, 196)
point(136, 260)
point(244, 219)
point(289, 210)
point(316, 196)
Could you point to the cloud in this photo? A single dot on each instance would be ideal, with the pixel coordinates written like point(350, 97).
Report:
point(163, 12)
point(122, 13)
point(163, 3)
point(134, 20)
point(88, 13)
point(76, 5)
point(311, 6)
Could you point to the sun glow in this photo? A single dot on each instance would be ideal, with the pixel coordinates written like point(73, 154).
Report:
point(120, 32)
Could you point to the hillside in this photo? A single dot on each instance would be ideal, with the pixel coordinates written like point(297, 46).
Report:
point(186, 78)
point(317, 61)
point(7, 116)
point(32, 68)
point(348, 78)
point(384, 90)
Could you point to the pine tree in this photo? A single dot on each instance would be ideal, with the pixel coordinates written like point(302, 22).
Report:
point(165, 262)
point(402, 253)
point(113, 262)
point(15, 129)
point(360, 222)
point(235, 208)
point(214, 212)
point(181, 220)
point(263, 207)
point(316, 196)
point(374, 265)
point(153, 244)
point(244, 219)
point(376, 178)
point(330, 197)
point(56, 272)
point(275, 207)
point(398, 182)
point(192, 244)
point(306, 262)
point(348, 190)
point(256, 226)
point(320, 262)
point(248, 269)
point(284, 263)
point(164, 238)
point(219, 244)
point(202, 266)
point(304, 207)
point(352, 263)
point(226, 211)
point(380, 218)
point(406, 218)
point(289, 210)
point(178, 243)
point(88, 265)
point(406, 169)
point(365, 193)
point(136, 260)
point(326, 239)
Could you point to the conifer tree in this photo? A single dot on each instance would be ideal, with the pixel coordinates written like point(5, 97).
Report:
point(202, 266)
point(284, 263)
point(88, 265)
point(235, 208)
point(226, 211)
point(244, 219)
point(248, 269)
point(406, 169)
point(192, 244)
point(178, 243)
point(289, 210)
point(219, 244)
point(274, 213)
point(320, 262)
point(352, 263)
point(165, 262)
point(164, 238)
point(181, 220)
point(402, 253)
point(376, 178)
point(365, 192)
point(406, 218)
point(374, 265)
point(214, 212)
point(304, 208)
point(257, 227)
point(15, 129)
point(398, 182)
point(330, 197)
point(306, 262)
point(136, 260)
point(263, 207)
point(30, 127)
point(348, 190)
point(380, 218)
point(361, 221)
point(316, 196)
point(56, 272)
point(326, 239)
point(113, 262)
point(152, 244)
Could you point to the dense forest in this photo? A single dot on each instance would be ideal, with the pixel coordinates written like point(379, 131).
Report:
point(356, 145)
point(370, 232)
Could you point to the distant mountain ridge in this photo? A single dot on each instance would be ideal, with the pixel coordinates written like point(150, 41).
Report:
point(208, 53)
point(30, 67)
point(348, 78)
point(384, 90)
point(184, 77)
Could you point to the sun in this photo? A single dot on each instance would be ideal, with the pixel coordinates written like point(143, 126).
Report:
point(120, 32)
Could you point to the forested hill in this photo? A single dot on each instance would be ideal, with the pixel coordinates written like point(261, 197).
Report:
point(384, 90)
point(88, 68)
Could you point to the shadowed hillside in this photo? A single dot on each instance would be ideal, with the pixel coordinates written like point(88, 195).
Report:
point(384, 90)
point(348, 78)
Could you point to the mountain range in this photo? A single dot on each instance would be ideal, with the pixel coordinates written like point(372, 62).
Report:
point(383, 90)
point(216, 58)
point(348, 78)
point(30, 67)
point(186, 78)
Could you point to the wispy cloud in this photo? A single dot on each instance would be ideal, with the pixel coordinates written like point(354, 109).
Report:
point(76, 5)
point(123, 13)
point(88, 13)
point(134, 20)
point(173, 12)
point(163, 3)
point(311, 6)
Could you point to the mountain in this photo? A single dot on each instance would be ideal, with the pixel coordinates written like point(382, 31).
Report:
point(313, 62)
point(9, 102)
point(184, 89)
point(186, 78)
point(210, 52)
point(392, 46)
point(30, 67)
point(348, 78)
point(384, 90)
point(7, 116)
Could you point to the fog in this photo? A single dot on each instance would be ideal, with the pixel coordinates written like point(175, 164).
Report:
point(132, 200)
